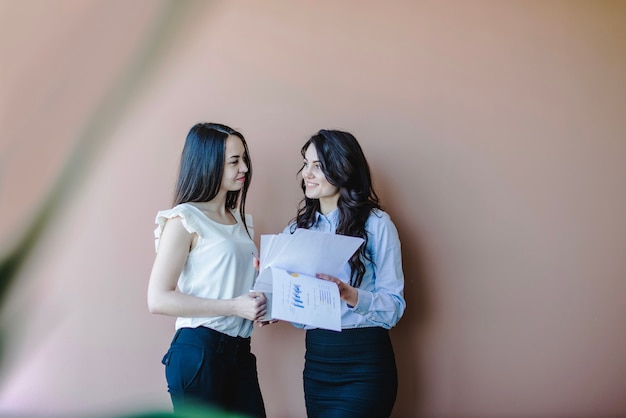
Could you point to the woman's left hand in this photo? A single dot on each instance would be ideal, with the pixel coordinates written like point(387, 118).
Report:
point(347, 293)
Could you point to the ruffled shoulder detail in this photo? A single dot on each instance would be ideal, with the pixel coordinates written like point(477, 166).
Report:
point(185, 212)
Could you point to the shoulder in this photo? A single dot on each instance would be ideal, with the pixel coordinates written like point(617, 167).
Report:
point(379, 223)
point(249, 220)
point(290, 228)
point(180, 221)
point(378, 217)
point(184, 214)
point(184, 210)
point(249, 224)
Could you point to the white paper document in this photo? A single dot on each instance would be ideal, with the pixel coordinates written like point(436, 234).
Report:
point(305, 300)
point(289, 263)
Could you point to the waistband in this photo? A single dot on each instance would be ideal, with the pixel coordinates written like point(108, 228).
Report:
point(210, 338)
point(365, 335)
point(371, 344)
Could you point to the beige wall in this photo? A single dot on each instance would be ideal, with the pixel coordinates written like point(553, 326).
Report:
point(496, 131)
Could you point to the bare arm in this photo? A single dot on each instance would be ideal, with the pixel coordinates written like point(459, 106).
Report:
point(165, 299)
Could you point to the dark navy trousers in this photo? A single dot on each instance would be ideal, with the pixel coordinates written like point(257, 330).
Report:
point(206, 368)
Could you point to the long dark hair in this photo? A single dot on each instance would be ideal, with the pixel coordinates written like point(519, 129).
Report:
point(202, 167)
point(345, 167)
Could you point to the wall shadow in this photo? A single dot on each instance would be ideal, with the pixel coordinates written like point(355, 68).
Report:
point(407, 336)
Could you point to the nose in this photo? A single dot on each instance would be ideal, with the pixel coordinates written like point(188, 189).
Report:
point(243, 167)
point(307, 172)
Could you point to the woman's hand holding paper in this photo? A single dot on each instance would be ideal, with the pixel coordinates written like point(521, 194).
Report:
point(347, 293)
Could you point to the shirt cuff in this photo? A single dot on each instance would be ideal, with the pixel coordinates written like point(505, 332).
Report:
point(362, 306)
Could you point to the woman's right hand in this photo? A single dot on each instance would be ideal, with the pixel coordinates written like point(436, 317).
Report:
point(251, 306)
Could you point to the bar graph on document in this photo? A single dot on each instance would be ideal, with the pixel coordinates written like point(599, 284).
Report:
point(296, 296)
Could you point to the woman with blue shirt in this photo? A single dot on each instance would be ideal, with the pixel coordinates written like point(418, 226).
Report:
point(351, 373)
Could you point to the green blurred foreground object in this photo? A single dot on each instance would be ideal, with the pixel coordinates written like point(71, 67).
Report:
point(95, 135)
point(189, 412)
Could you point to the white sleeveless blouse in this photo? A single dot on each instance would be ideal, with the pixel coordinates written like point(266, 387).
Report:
point(219, 267)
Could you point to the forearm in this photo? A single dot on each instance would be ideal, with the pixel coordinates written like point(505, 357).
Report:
point(175, 303)
point(381, 308)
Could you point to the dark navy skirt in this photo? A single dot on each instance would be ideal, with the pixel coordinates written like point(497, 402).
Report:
point(350, 373)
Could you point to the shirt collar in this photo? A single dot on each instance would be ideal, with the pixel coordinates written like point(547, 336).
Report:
point(331, 218)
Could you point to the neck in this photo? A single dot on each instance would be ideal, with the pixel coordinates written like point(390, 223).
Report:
point(327, 206)
point(216, 205)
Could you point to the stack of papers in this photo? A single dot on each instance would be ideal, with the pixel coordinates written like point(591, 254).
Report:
point(289, 263)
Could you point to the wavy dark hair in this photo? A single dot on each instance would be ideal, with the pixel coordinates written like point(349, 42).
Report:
point(345, 167)
point(202, 167)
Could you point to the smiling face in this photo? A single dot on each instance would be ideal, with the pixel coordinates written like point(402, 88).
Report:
point(235, 164)
point(315, 183)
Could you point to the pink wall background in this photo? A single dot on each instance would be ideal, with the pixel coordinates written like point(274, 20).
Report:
point(496, 131)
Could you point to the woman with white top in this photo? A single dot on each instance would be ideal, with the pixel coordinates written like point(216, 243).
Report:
point(202, 275)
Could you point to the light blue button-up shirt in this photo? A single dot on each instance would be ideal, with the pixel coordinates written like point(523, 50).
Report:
point(381, 294)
